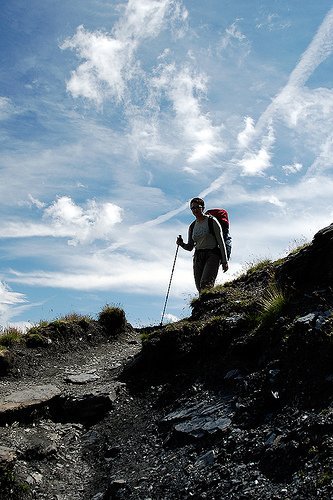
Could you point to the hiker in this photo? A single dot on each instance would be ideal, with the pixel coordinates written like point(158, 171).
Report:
point(210, 249)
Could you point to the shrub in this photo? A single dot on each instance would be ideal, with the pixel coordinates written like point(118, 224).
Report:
point(112, 318)
point(6, 359)
point(272, 304)
point(34, 330)
point(298, 244)
point(256, 266)
point(10, 336)
point(36, 340)
point(74, 317)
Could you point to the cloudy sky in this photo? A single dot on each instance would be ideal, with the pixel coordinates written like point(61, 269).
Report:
point(114, 114)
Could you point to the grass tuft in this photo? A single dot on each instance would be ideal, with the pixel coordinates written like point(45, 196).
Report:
point(296, 245)
point(74, 317)
point(112, 318)
point(10, 336)
point(256, 266)
point(272, 305)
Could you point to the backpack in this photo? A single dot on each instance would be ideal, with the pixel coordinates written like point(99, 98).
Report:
point(221, 215)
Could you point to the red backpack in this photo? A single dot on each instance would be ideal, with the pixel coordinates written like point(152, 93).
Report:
point(221, 215)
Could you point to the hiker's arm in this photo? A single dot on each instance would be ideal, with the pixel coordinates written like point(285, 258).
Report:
point(220, 242)
point(190, 243)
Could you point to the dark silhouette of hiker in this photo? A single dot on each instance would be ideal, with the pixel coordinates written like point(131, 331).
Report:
point(209, 247)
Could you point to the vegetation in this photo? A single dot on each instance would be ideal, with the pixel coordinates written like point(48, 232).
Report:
point(74, 317)
point(272, 304)
point(112, 318)
point(10, 336)
point(297, 245)
point(36, 340)
point(10, 487)
point(256, 266)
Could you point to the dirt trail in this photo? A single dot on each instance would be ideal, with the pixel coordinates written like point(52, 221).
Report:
point(51, 453)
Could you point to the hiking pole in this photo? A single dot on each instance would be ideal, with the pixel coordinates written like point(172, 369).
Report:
point(167, 295)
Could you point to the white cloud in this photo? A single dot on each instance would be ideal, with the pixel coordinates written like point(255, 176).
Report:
point(109, 59)
point(292, 169)
point(109, 66)
point(146, 18)
point(86, 225)
point(232, 35)
point(64, 218)
point(117, 272)
point(185, 88)
point(106, 66)
point(10, 303)
point(289, 104)
point(245, 136)
point(6, 108)
point(273, 22)
point(37, 203)
point(170, 318)
point(323, 162)
point(318, 50)
point(254, 163)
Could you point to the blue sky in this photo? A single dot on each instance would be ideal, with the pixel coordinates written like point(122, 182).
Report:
point(114, 114)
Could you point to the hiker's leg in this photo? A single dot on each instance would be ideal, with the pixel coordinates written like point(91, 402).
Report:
point(210, 270)
point(198, 267)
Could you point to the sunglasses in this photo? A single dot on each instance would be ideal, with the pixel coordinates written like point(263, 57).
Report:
point(196, 207)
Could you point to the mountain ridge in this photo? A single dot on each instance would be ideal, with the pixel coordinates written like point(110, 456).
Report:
point(233, 402)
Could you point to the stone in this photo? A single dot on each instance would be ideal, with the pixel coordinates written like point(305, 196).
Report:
point(7, 455)
point(311, 267)
point(82, 378)
point(83, 408)
point(206, 459)
point(307, 320)
point(28, 399)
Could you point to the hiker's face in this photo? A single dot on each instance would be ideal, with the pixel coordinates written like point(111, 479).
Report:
point(196, 209)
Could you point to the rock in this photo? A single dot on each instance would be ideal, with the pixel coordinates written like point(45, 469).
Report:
point(199, 426)
point(198, 421)
point(306, 320)
point(98, 496)
point(118, 489)
point(206, 459)
point(82, 378)
point(83, 408)
point(312, 266)
point(34, 478)
point(6, 361)
point(7, 455)
point(233, 375)
point(27, 400)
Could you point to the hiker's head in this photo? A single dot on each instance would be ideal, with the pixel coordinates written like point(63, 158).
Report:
point(197, 204)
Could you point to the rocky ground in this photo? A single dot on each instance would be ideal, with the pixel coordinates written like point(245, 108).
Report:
point(49, 402)
point(230, 403)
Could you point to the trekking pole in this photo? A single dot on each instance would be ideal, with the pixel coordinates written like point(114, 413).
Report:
point(167, 295)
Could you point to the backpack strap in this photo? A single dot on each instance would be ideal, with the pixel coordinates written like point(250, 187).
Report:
point(190, 230)
point(225, 233)
point(211, 225)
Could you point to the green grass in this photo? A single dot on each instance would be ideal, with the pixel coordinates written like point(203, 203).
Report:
point(10, 336)
point(112, 318)
point(297, 245)
point(256, 265)
point(272, 305)
point(74, 317)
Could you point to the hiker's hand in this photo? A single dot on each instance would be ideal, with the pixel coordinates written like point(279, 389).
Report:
point(180, 241)
point(225, 266)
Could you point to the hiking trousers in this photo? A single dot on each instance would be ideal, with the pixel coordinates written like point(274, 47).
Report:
point(206, 265)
